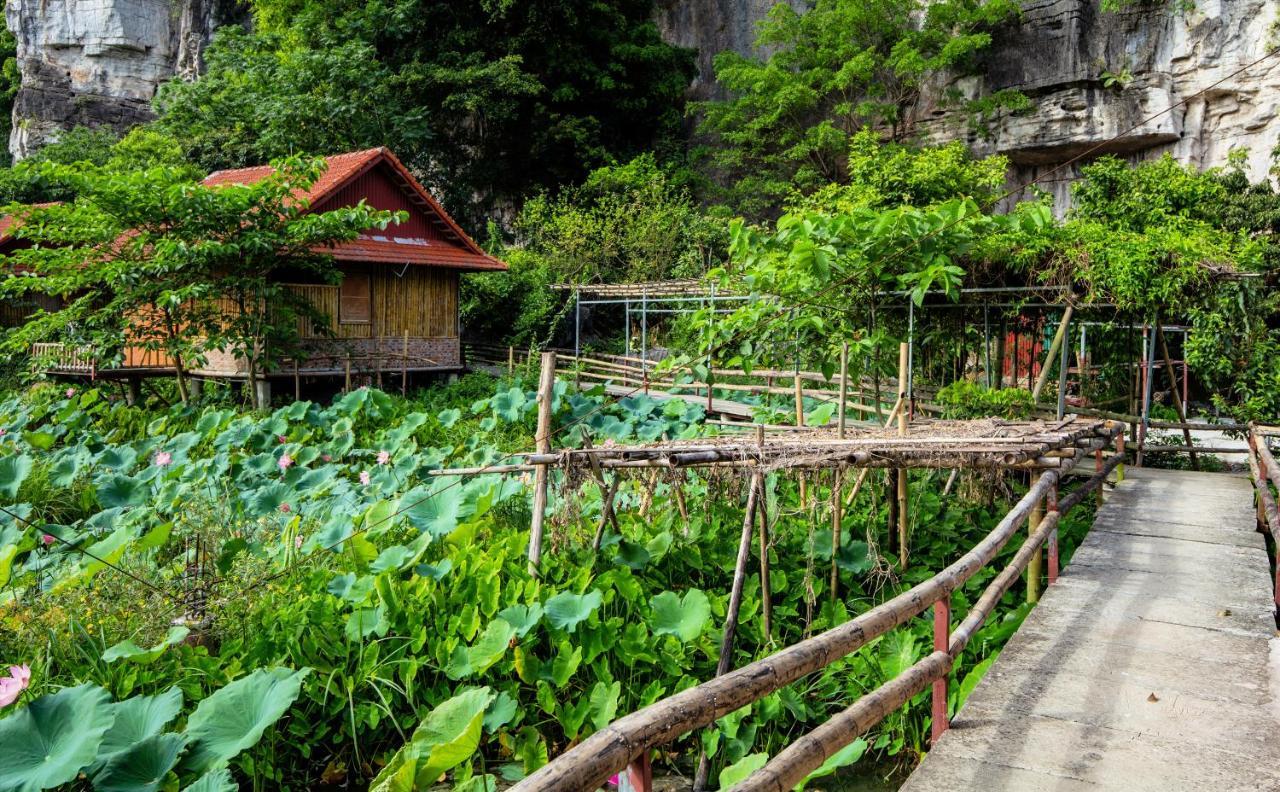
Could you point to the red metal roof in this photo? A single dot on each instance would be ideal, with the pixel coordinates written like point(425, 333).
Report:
point(454, 250)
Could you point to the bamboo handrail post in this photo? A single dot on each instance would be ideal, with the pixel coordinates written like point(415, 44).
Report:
point(346, 387)
point(837, 521)
point(1147, 378)
point(1053, 350)
point(941, 643)
point(1097, 466)
point(546, 393)
point(1033, 568)
point(1052, 541)
point(1120, 451)
point(799, 391)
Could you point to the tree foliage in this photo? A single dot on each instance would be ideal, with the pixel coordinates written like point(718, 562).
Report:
point(491, 101)
point(839, 66)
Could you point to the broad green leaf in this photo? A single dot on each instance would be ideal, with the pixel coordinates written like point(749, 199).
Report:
point(46, 743)
point(566, 611)
point(684, 617)
point(14, 470)
point(365, 622)
point(448, 736)
point(234, 717)
point(215, 781)
point(128, 650)
point(434, 571)
point(739, 770)
point(972, 679)
point(487, 650)
point(435, 509)
point(351, 588)
point(393, 557)
point(141, 767)
point(842, 758)
point(565, 664)
point(121, 491)
point(140, 717)
point(42, 441)
point(604, 703)
point(500, 712)
point(522, 617)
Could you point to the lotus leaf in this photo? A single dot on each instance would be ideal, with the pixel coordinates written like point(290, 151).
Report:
point(141, 767)
point(128, 650)
point(45, 744)
point(234, 717)
point(684, 617)
point(14, 470)
point(214, 781)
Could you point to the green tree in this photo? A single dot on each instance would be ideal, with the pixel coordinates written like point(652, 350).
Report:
point(150, 258)
point(626, 223)
point(491, 101)
point(839, 66)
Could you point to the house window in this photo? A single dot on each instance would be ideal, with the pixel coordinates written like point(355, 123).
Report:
point(355, 299)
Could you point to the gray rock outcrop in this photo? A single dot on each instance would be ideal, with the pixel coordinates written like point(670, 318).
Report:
point(97, 63)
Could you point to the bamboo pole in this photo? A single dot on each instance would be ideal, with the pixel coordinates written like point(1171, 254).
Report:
point(546, 393)
point(404, 366)
point(837, 518)
point(347, 375)
point(799, 391)
point(1178, 404)
point(902, 472)
point(844, 387)
point(297, 382)
point(1146, 393)
point(731, 610)
point(1058, 338)
point(511, 361)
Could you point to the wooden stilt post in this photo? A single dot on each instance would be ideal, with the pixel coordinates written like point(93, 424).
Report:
point(903, 375)
point(735, 604)
point(511, 361)
point(377, 359)
point(1033, 566)
point(297, 382)
point(1120, 451)
point(404, 366)
point(799, 390)
point(844, 388)
point(546, 392)
point(1178, 403)
point(346, 387)
point(1097, 467)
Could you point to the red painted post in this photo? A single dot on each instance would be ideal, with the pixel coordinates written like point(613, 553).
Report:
point(941, 641)
point(1052, 497)
point(639, 774)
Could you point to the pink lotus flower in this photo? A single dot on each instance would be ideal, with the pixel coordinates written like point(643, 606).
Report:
point(163, 458)
point(297, 542)
point(285, 462)
point(364, 477)
point(384, 457)
point(282, 438)
point(12, 686)
point(71, 392)
point(47, 539)
point(609, 442)
point(284, 508)
point(326, 457)
point(3, 432)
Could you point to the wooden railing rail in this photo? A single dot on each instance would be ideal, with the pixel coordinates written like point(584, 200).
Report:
point(66, 357)
point(628, 741)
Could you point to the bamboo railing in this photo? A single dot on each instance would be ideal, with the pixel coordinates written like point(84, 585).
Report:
point(1266, 473)
point(627, 743)
point(66, 357)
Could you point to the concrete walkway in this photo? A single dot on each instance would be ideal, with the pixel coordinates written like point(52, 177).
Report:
point(1152, 664)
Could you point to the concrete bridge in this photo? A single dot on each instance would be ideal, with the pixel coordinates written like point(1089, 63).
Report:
point(1152, 664)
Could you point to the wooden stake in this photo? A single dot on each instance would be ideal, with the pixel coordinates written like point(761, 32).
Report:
point(511, 361)
point(546, 393)
point(347, 384)
point(837, 516)
point(735, 604)
point(799, 390)
point(404, 366)
point(297, 382)
point(1177, 398)
point(1058, 339)
point(903, 375)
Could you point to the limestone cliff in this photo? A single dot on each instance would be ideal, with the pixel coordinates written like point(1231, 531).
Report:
point(1157, 59)
point(97, 63)
point(1059, 55)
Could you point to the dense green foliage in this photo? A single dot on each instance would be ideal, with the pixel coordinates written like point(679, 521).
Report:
point(840, 66)
point(408, 595)
point(491, 102)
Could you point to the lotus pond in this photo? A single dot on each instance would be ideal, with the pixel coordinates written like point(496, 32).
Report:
point(198, 597)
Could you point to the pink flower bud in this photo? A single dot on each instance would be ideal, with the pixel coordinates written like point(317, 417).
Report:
point(163, 458)
point(284, 508)
point(285, 462)
point(47, 539)
point(364, 477)
point(384, 457)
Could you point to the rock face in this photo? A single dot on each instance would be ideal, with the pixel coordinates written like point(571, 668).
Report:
point(1182, 84)
point(98, 63)
point(1166, 60)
